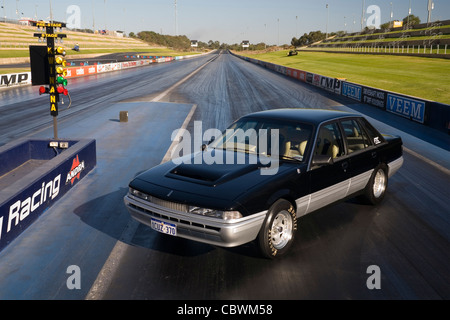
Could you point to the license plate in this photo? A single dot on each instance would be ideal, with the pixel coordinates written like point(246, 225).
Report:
point(164, 227)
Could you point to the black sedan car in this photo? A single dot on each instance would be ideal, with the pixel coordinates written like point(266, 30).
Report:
point(264, 172)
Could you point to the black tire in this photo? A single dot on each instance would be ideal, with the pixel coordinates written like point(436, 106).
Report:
point(376, 187)
point(278, 231)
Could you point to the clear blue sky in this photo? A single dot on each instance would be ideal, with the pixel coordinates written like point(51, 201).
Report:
point(228, 21)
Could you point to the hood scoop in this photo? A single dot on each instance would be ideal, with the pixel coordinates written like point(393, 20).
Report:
point(210, 175)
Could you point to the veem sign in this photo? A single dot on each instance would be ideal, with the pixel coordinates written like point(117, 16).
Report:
point(351, 90)
point(406, 107)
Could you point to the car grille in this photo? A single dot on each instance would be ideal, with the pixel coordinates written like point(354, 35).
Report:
point(169, 205)
point(174, 219)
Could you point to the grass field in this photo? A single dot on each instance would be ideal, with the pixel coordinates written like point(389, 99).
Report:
point(426, 78)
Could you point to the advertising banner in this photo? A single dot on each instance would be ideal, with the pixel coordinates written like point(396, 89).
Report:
point(296, 74)
point(330, 84)
point(19, 210)
point(14, 79)
point(406, 107)
point(81, 71)
point(374, 97)
point(351, 90)
point(316, 79)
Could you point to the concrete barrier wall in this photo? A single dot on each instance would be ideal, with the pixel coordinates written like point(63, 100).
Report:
point(426, 112)
point(24, 78)
point(29, 193)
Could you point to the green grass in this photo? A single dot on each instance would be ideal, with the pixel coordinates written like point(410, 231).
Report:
point(426, 78)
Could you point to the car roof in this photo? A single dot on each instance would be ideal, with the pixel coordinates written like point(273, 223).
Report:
point(314, 116)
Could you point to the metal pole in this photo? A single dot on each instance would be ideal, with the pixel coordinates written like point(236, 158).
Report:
point(176, 19)
point(363, 14)
point(55, 128)
point(430, 7)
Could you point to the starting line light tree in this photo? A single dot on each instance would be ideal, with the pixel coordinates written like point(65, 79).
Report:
point(47, 65)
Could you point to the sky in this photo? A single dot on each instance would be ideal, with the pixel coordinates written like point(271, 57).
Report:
point(226, 21)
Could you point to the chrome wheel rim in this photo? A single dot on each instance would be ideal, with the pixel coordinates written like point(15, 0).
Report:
point(281, 232)
point(379, 184)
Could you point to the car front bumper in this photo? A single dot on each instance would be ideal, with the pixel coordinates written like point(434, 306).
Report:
point(196, 227)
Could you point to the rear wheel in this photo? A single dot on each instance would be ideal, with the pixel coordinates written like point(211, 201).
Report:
point(376, 188)
point(278, 231)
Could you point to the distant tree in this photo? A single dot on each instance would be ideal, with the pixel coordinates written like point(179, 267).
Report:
point(177, 42)
point(307, 39)
point(412, 20)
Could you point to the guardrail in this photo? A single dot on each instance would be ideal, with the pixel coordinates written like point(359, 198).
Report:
point(24, 78)
point(426, 112)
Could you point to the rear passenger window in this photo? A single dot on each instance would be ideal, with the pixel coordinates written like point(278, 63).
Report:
point(357, 138)
point(374, 135)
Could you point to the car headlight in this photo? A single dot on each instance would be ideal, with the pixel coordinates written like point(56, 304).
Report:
point(139, 194)
point(225, 215)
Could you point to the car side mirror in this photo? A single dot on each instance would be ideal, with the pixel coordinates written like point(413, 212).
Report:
point(322, 160)
point(205, 145)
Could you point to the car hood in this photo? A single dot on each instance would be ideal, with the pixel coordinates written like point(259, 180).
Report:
point(192, 179)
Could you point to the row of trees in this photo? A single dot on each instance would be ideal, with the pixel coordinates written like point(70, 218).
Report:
point(183, 43)
point(176, 42)
point(307, 39)
point(315, 36)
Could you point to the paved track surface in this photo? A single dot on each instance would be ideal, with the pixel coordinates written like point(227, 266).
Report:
point(407, 236)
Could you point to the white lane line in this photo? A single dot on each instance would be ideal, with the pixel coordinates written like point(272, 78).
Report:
point(430, 162)
point(106, 274)
point(164, 93)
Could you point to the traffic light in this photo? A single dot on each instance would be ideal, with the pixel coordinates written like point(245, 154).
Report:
point(43, 90)
point(60, 64)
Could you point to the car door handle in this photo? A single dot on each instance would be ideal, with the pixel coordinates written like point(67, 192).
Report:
point(345, 166)
point(374, 154)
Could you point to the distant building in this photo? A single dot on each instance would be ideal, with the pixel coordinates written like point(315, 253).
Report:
point(26, 21)
point(118, 33)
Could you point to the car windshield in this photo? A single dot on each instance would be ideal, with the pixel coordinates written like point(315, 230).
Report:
point(262, 137)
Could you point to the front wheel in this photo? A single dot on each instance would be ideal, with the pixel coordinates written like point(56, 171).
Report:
point(278, 231)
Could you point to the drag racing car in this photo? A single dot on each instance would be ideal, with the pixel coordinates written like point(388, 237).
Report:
point(268, 169)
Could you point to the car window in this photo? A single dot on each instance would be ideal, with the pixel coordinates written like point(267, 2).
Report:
point(374, 135)
point(329, 141)
point(356, 138)
point(266, 137)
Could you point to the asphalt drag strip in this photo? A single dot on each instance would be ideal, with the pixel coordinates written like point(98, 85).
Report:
point(86, 224)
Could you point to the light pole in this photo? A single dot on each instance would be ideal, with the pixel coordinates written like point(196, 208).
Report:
point(409, 13)
point(392, 14)
point(430, 8)
point(176, 19)
point(363, 14)
point(278, 23)
point(265, 36)
point(328, 15)
point(4, 10)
